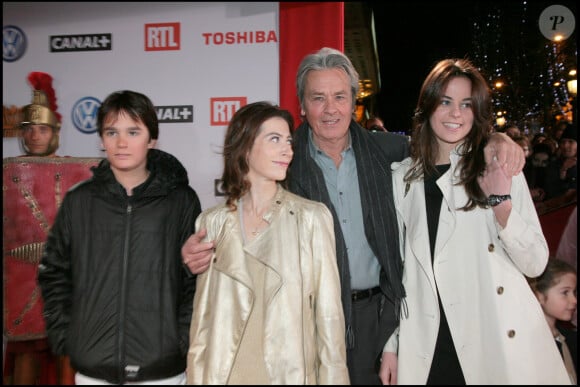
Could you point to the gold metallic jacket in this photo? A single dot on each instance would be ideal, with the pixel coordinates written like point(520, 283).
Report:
point(303, 338)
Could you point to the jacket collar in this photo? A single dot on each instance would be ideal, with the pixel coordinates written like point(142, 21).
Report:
point(232, 260)
point(167, 173)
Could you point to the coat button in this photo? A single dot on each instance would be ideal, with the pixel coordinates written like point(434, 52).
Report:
point(500, 290)
point(490, 247)
point(511, 333)
point(214, 259)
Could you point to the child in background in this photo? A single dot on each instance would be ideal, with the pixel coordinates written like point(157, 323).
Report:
point(556, 291)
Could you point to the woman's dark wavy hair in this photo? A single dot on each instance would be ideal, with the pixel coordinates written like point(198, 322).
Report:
point(136, 105)
point(424, 148)
point(240, 136)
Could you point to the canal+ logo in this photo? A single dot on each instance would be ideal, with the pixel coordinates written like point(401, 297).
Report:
point(174, 113)
point(13, 43)
point(85, 111)
point(84, 114)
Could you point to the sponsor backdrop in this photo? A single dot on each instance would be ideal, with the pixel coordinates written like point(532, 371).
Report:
point(198, 62)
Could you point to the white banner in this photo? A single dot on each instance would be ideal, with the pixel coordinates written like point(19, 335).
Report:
point(198, 62)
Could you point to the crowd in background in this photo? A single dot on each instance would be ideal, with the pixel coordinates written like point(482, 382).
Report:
point(551, 164)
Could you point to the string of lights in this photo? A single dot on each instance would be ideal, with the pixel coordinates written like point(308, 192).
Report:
point(527, 72)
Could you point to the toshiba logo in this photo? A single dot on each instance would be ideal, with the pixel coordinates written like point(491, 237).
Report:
point(240, 37)
point(222, 109)
point(162, 37)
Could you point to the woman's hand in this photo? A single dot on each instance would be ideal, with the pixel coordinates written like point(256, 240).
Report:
point(497, 180)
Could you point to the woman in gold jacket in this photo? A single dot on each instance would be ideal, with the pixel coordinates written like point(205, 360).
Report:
point(268, 310)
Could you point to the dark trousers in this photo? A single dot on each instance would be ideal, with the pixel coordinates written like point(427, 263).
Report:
point(373, 321)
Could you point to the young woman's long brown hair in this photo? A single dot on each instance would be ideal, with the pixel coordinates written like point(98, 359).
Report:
point(424, 147)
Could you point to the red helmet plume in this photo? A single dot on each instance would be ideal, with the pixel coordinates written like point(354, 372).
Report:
point(43, 82)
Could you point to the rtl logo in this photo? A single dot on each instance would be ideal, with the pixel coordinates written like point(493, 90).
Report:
point(223, 109)
point(162, 37)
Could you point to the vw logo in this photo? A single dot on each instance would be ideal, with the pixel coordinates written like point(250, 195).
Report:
point(84, 114)
point(13, 43)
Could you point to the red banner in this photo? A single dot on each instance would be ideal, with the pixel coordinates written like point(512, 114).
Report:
point(305, 27)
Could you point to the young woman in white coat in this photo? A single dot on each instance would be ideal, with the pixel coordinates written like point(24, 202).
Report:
point(268, 309)
point(470, 235)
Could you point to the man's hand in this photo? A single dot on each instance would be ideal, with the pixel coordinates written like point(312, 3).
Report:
point(195, 254)
point(496, 179)
point(507, 152)
point(388, 371)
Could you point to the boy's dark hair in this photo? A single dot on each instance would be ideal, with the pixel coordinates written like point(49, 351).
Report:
point(138, 106)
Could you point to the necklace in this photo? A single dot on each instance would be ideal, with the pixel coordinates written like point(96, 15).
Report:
point(256, 228)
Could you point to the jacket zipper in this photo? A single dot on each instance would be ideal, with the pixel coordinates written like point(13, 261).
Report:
point(123, 295)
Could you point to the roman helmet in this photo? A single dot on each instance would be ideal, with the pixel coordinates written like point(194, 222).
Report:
point(42, 110)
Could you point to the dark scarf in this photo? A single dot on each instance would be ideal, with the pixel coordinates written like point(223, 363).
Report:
point(376, 191)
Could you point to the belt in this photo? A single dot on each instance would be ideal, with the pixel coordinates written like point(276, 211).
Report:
point(365, 293)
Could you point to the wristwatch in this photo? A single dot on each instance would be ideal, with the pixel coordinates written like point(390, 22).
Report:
point(494, 200)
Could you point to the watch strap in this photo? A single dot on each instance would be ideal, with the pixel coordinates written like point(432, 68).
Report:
point(494, 200)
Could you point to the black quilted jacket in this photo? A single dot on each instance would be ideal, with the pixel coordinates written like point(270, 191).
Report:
point(117, 298)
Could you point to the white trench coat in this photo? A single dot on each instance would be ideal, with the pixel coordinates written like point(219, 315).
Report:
point(498, 327)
